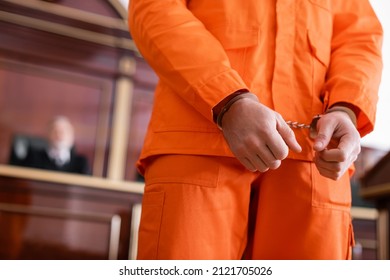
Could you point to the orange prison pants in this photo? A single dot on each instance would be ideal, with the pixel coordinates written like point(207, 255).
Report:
point(204, 207)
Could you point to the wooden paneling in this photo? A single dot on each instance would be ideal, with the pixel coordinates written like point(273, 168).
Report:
point(63, 58)
point(29, 90)
point(83, 40)
point(376, 187)
point(48, 219)
point(145, 81)
point(97, 7)
point(366, 244)
point(379, 174)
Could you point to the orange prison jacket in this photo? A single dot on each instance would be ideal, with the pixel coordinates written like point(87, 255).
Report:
point(298, 56)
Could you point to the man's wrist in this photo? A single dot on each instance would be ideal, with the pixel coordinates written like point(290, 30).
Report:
point(231, 101)
point(343, 107)
point(218, 108)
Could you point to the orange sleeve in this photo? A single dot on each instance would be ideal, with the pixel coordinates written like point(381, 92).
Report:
point(183, 53)
point(356, 64)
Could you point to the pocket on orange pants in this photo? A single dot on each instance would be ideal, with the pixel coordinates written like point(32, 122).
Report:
point(152, 207)
point(327, 193)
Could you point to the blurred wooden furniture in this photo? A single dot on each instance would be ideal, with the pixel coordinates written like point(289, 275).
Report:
point(75, 58)
point(51, 215)
point(376, 187)
point(365, 224)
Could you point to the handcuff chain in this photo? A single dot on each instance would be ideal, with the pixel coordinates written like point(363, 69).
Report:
point(297, 125)
point(312, 126)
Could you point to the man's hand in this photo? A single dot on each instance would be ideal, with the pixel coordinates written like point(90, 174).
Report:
point(337, 144)
point(257, 136)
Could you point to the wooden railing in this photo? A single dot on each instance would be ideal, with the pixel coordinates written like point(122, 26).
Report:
point(52, 215)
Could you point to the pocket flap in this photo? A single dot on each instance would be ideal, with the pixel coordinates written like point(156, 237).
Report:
point(321, 3)
point(235, 38)
point(320, 47)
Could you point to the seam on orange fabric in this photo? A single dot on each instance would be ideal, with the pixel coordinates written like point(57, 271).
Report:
point(159, 230)
point(175, 180)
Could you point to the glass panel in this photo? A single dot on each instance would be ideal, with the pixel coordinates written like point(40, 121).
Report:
point(30, 97)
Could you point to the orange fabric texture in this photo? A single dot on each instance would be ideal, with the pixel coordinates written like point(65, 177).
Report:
point(298, 57)
point(199, 207)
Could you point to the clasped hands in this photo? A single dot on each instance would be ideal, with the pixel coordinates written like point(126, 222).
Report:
point(260, 139)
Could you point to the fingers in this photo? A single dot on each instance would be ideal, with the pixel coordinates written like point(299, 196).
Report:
point(277, 147)
point(257, 136)
point(333, 155)
point(288, 136)
point(333, 163)
point(329, 165)
point(349, 144)
point(261, 161)
point(256, 154)
point(324, 136)
point(330, 169)
point(337, 145)
point(247, 164)
point(265, 159)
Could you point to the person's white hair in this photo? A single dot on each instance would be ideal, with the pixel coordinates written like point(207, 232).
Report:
point(61, 132)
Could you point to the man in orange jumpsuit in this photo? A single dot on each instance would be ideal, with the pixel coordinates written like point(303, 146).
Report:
point(226, 177)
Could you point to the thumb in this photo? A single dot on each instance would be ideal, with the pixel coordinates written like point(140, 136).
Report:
point(289, 137)
point(324, 135)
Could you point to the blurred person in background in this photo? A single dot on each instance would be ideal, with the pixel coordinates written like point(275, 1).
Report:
point(58, 153)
